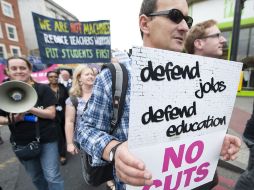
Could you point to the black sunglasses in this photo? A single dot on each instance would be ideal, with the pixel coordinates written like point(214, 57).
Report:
point(175, 15)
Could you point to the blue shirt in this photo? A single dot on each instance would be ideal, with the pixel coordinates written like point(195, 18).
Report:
point(93, 133)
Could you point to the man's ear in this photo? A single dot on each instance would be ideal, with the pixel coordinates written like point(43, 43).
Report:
point(144, 23)
point(199, 44)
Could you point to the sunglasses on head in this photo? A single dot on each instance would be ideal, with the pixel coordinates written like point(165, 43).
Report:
point(174, 15)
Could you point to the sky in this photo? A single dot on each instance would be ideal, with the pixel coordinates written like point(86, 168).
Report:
point(123, 16)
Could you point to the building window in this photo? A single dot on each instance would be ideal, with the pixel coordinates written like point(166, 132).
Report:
point(7, 9)
point(251, 46)
point(11, 32)
point(1, 31)
point(229, 6)
point(3, 53)
point(15, 50)
point(243, 43)
point(246, 43)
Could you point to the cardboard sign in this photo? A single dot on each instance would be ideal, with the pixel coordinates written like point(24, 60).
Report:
point(64, 41)
point(180, 109)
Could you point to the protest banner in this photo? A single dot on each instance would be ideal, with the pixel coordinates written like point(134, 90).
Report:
point(41, 76)
point(180, 108)
point(64, 41)
point(2, 76)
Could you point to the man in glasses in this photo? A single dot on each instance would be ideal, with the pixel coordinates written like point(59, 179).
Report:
point(164, 25)
point(205, 39)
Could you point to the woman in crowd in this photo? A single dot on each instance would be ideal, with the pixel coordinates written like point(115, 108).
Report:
point(43, 169)
point(80, 92)
point(61, 95)
point(83, 79)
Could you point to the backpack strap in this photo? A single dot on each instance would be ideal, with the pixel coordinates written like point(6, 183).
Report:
point(119, 88)
point(74, 101)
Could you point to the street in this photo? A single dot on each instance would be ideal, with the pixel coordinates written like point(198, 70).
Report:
point(14, 177)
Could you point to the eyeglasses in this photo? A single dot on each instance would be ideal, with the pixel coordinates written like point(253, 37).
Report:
point(216, 35)
point(174, 15)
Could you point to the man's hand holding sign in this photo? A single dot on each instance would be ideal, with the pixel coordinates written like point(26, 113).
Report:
point(129, 169)
point(133, 171)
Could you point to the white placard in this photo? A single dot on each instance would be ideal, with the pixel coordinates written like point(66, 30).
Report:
point(180, 109)
point(121, 56)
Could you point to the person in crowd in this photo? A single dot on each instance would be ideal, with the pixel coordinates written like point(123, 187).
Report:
point(81, 90)
point(44, 169)
point(65, 78)
point(83, 79)
point(61, 95)
point(205, 39)
point(164, 25)
point(1, 139)
point(5, 79)
point(245, 181)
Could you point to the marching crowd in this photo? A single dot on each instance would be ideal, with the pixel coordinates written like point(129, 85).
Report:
point(164, 24)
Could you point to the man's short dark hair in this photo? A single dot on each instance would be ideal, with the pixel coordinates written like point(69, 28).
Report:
point(147, 7)
point(197, 32)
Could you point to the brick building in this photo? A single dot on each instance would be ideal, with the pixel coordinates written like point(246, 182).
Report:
point(12, 40)
point(17, 33)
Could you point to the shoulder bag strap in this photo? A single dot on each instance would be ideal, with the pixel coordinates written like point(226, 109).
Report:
point(119, 88)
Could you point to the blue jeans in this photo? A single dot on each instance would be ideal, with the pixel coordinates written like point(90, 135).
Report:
point(45, 170)
point(246, 180)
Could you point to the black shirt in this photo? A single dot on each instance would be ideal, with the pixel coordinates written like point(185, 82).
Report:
point(24, 131)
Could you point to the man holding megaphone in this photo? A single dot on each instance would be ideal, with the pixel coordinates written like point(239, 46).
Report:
point(31, 119)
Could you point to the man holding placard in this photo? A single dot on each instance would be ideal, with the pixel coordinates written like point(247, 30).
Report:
point(163, 25)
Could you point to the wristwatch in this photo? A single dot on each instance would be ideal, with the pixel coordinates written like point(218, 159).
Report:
point(113, 151)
